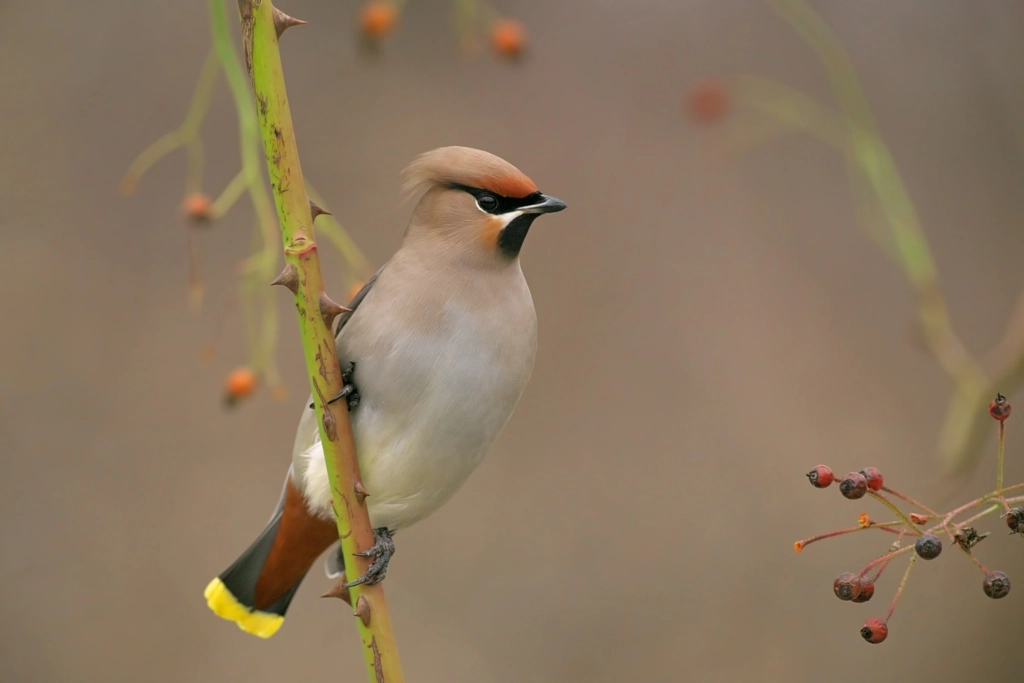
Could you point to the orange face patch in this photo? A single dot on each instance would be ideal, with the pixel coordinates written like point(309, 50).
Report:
point(489, 232)
point(513, 186)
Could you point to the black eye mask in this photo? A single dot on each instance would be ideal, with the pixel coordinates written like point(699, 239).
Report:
point(501, 204)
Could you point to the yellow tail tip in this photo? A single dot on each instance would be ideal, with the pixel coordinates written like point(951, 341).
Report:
point(226, 606)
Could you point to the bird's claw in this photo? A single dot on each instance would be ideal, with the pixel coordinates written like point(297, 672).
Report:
point(382, 550)
point(348, 389)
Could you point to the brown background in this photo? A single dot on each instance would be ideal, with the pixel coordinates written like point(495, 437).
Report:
point(708, 332)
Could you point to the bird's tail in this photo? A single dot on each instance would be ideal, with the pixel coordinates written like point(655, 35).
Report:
point(255, 591)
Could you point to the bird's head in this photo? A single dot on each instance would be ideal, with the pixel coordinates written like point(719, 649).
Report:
point(473, 202)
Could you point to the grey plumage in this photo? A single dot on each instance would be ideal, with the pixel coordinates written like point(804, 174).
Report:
point(444, 338)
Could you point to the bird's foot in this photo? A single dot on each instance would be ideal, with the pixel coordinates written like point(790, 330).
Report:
point(348, 389)
point(381, 552)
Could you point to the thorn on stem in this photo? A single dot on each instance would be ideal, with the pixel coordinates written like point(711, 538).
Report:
point(316, 210)
point(283, 22)
point(363, 610)
point(339, 590)
point(330, 309)
point(330, 425)
point(289, 278)
point(361, 492)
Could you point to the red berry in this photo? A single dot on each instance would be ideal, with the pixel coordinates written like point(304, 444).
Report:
point(821, 476)
point(239, 383)
point(1015, 520)
point(999, 408)
point(997, 585)
point(708, 102)
point(508, 37)
point(874, 478)
point(847, 586)
point(377, 18)
point(874, 630)
point(853, 486)
point(867, 590)
point(197, 207)
point(928, 547)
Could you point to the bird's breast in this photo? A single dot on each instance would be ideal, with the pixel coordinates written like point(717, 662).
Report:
point(433, 401)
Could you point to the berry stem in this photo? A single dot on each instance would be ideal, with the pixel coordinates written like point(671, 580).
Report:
point(1015, 487)
point(903, 584)
point(888, 526)
point(983, 513)
point(908, 499)
point(988, 497)
point(884, 559)
point(878, 573)
point(889, 504)
point(883, 565)
point(973, 559)
point(999, 459)
point(230, 194)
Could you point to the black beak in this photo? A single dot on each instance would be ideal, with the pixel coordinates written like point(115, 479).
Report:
point(548, 205)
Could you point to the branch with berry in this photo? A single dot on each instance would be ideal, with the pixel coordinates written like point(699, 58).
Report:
point(254, 301)
point(924, 528)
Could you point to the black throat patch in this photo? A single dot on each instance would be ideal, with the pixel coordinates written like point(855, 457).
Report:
point(512, 236)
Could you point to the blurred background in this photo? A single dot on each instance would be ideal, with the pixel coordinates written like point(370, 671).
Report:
point(712, 325)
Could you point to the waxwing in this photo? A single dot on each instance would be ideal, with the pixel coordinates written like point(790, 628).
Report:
point(436, 352)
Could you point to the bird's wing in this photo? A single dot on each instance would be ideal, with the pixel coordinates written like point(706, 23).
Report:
point(354, 304)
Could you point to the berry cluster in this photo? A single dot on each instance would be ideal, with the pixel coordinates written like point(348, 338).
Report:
point(924, 527)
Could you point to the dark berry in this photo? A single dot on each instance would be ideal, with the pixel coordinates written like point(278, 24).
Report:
point(1015, 520)
point(853, 486)
point(928, 547)
point(867, 590)
point(873, 477)
point(1000, 408)
point(874, 630)
point(997, 585)
point(820, 476)
point(847, 586)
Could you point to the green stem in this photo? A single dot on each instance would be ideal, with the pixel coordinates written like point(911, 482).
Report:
point(248, 127)
point(230, 195)
point(303, 277)
point(868, 157)
point(338, 236)
point(201, 98)
point(899, 513)
point(185, 134)
point(159, 148)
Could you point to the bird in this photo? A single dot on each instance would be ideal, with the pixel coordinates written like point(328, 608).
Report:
point(436, 350)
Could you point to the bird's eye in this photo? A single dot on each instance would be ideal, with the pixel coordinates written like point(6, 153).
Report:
point(487, 202)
